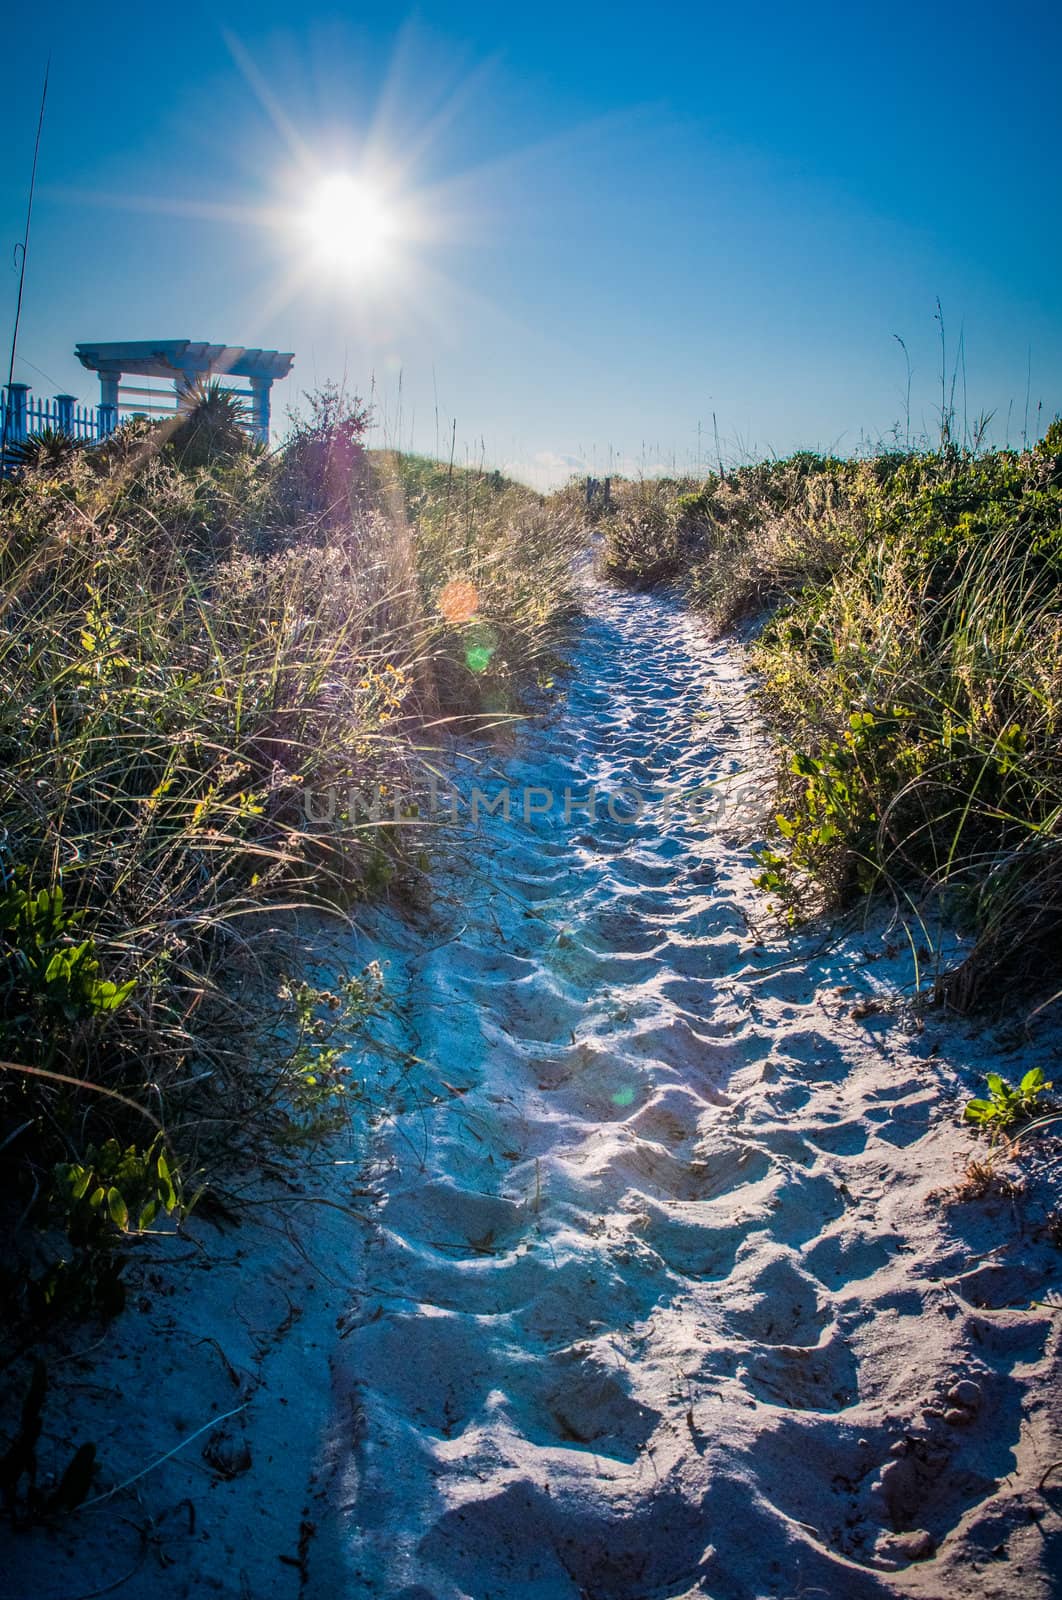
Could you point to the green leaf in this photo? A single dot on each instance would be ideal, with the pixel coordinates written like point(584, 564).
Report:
point(166, 1190)
point(118, 1209)
point(106, 996)
point(1033, 1080)
point(58, 967)
point(979, 1110)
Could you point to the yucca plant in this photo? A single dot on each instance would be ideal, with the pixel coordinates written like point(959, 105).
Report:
point(43, 451)
point(212, 428)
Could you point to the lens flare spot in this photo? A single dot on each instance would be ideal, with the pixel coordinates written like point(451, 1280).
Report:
point(459, 600)
point(478, 657)
point(480, 644)
point(623, 1097)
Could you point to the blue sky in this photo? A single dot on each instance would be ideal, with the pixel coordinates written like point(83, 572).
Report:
point(619, 219)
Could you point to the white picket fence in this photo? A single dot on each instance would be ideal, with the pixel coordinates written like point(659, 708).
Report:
point(63, 414)
point(22, 415)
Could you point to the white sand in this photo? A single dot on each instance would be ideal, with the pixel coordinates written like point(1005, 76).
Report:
point(652, 1301)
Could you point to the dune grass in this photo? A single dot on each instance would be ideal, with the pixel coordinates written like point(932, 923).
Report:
point(196, 640)
point(910, 664)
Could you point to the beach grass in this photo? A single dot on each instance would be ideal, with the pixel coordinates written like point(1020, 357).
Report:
point(909, 652)
point(199, 641)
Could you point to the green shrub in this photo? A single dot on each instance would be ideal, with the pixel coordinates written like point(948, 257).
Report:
point(642, 544)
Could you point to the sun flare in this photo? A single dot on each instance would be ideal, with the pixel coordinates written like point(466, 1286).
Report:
point(349, 223)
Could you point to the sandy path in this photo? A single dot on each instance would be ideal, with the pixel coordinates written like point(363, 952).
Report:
point(656, 1305)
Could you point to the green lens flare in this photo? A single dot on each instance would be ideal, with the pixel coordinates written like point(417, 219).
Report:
point(624, 1097)
point(478, 657)
point(481, 641)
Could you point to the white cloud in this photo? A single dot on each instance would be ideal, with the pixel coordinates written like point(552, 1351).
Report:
point(546, 469)
point(549, 469)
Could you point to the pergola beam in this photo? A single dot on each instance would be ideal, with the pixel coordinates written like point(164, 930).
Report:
point(185, 362)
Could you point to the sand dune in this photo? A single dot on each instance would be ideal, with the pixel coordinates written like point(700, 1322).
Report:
point(651, 1298)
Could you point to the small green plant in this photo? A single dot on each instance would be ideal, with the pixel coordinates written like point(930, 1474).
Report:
point(42, 964)
point(127, 1188)
point(109, 1193)
point(317, 1077)
point(1006, 1104)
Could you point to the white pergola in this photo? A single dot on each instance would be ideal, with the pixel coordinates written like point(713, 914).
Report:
point(185, 362)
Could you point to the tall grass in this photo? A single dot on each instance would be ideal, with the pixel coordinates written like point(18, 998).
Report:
point(910, 664)
point(191, 643)
point(511, 548)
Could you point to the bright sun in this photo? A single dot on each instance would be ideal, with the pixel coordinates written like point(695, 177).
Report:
point(349, 223)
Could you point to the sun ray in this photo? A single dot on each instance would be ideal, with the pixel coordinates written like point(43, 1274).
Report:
point(270, 103)
point(359, 212)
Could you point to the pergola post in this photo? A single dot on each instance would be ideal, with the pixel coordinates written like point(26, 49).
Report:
point(108, 408)
point(260, 388)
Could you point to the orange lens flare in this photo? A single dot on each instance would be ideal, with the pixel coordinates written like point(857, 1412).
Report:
point(458, 600)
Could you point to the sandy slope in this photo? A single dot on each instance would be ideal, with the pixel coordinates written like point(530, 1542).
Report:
point(652, 1301)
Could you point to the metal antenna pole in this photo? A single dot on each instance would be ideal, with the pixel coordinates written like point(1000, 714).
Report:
point(21, 250)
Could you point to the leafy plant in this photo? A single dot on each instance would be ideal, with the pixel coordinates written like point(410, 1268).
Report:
point(128, 1188)
point(46, 450)
point(108, 1193)
point(42, 964)
point(642, 538)
point(1007, 1103)
point(327, 1022)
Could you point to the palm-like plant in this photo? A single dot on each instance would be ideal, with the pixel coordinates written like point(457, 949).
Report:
point(48, 450)
point(214, 427)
